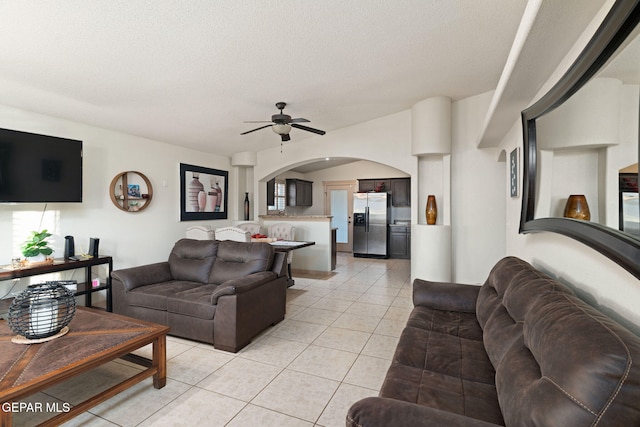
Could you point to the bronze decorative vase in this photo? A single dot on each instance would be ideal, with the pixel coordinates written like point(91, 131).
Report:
point(577, 207)
point(431, 210)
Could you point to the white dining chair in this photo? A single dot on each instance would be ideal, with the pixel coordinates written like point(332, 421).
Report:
point(252, 227)
point(200, 232)
point(232, 233)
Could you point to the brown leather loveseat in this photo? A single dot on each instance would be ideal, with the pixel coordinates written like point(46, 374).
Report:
point(522, 350)
point(219, 292)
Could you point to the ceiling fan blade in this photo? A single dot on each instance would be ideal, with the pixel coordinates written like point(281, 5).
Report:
point(286, 137)
point(299, 120)
point(308, 129)
point(258, 121)
point(253, 130)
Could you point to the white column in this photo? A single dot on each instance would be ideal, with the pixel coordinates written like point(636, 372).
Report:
point(431, 143)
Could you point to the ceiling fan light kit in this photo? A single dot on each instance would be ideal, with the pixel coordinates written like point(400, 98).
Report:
point(281, 129)
point(282, 124)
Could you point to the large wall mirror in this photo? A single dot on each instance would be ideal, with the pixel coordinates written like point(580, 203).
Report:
point(582, 139)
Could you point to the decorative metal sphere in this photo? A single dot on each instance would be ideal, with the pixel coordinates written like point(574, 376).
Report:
point(42, 310)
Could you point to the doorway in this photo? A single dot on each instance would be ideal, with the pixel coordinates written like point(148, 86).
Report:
point(339, 204)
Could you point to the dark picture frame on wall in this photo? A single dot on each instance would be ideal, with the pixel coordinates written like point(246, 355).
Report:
point(203, 193)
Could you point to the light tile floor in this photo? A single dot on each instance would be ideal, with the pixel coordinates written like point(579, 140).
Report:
point(333, 348)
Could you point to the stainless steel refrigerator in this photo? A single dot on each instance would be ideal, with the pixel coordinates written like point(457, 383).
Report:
point(370, 221)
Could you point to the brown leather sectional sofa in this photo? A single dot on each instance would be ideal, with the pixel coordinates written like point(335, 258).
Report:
point(219, 292)
point(521, 350)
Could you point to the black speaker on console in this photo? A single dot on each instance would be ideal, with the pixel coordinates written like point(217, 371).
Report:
point(93, 246)
point(69, 247)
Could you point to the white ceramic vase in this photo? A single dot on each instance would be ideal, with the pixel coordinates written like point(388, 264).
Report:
point(37, 258)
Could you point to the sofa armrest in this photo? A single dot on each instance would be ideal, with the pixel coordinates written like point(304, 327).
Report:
point(445, 296)
point(143, 275)
point(242, 284)
point(383, 412)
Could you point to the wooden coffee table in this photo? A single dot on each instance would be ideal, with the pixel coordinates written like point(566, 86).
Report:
point(95, 337)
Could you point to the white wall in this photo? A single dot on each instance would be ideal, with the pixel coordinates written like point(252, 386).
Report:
point(131, 238)
point(478, 189)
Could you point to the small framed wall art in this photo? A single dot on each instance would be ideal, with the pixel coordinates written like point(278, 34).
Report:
point(203, 193)
point(513, 172)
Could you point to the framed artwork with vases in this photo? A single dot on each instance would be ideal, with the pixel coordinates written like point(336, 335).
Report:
point(203, 193)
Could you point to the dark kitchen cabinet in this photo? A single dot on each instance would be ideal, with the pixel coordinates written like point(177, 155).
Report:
point(377, 185)
point(365, 185)
point(299, 192)
point(271, 192)
point(399, 242)
point(401, 192)
point(400, 189)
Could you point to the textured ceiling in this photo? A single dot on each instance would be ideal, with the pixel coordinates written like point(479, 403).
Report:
point(190, 72)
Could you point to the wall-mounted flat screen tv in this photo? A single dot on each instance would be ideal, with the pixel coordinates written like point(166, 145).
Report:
point(39, 168)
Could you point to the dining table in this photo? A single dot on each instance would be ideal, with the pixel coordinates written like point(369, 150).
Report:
point(287, 246)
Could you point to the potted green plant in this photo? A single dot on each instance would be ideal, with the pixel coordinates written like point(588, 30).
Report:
point(36, 248)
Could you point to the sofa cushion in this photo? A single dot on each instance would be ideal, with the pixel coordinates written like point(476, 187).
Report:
point(239, 259)
point(155, 296)
point(456, 356)
point(558, 360)
point(442, 392)
point(456, 376)
point(572, 367)
point(460, 324)
point(193, 302)
point(510, 291)
point(192, 260)
point(385, 412)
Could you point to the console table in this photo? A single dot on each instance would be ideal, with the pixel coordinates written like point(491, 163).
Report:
point(84, 288)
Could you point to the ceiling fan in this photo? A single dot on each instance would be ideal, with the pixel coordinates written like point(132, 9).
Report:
point(282, 124)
